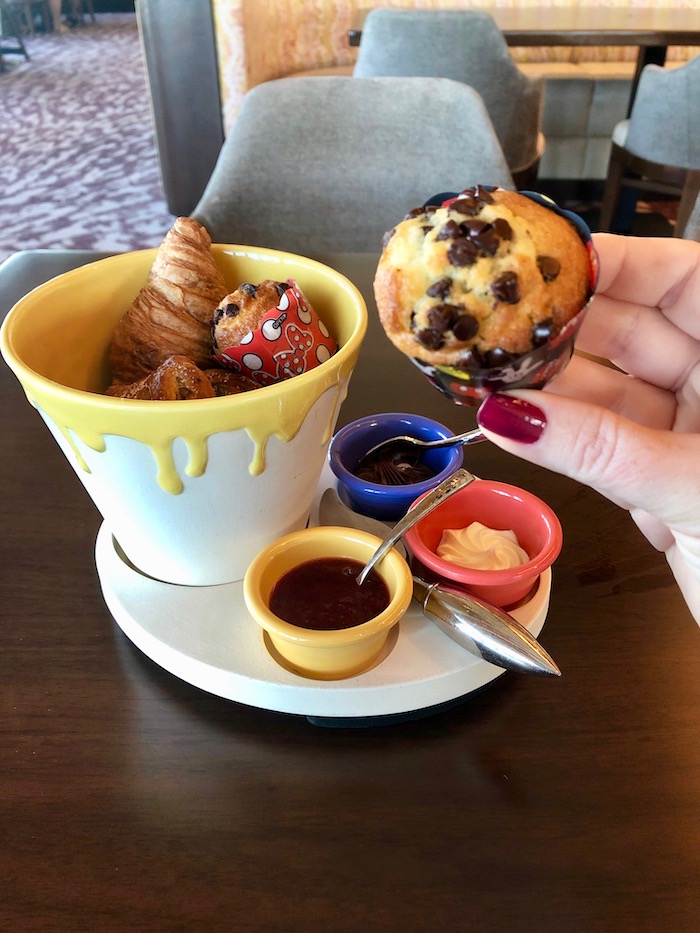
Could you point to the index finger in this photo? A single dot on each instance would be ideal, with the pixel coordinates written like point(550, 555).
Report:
point(639, 340)
point(653, 272)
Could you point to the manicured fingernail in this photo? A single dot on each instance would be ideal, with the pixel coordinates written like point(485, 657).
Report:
point(513, 418)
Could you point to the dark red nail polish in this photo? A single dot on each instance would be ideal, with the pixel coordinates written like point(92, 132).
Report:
point(513, 418)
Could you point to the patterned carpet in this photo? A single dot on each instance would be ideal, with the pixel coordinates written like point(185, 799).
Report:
point(78, 166)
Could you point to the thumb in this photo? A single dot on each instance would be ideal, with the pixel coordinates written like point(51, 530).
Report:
point(635, 466)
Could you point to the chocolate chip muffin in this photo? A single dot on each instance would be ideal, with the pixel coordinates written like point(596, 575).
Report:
point(481, 280)
point(240, 313)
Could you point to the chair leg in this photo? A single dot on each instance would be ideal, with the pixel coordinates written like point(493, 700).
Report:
point(526, 179)
point(613, 183)
point(81, 7)
point(40, 9)
point(691, 190)
point(10, 26)
point(23, 19)
point(623, 221)
point(28, 18)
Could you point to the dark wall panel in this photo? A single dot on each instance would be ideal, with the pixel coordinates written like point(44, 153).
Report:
point(180, 52)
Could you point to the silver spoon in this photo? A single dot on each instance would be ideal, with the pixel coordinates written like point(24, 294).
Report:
point(447, 488)
point(463, 440)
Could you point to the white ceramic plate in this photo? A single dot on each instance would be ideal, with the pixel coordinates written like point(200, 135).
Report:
point(205, 636)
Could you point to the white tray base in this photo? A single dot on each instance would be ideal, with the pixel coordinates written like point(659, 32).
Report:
point(205, 636)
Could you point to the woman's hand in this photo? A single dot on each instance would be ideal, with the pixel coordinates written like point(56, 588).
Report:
point(632, 433)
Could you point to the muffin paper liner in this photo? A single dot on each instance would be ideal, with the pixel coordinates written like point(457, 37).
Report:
point(533, 369)
point(290, 340)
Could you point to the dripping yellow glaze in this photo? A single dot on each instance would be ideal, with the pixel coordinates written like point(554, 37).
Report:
point(56, 339)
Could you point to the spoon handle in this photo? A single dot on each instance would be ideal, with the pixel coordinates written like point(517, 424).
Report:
point(447, 488)
point(454, 440)
point(461, 440)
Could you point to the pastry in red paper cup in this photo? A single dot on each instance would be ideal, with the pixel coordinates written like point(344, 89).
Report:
point(269, 332)
point(486, 290)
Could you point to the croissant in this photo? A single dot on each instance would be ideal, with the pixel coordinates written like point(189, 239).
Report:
point(175, 379)
point(225, 382)
point(172, 313)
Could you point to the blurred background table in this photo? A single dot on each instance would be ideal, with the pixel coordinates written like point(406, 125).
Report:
point(132, 800)
point(650, 29)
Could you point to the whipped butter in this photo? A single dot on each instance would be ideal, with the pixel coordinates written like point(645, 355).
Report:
point(479, 547)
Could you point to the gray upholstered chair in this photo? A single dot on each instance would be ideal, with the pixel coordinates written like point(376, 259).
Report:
point(330, 163)
point(658, 147)
point(467, 46)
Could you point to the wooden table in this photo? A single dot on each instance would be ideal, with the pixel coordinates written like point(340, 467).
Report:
point(651, 30)
point(130, 800)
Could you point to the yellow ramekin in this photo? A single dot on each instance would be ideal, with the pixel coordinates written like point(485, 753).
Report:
point(326, 655)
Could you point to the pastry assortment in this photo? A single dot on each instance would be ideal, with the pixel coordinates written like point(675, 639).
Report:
point(211, 494)
point(477, 286)
point(185, 337)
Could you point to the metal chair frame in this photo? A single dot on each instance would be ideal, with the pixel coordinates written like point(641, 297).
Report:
point(631, 171)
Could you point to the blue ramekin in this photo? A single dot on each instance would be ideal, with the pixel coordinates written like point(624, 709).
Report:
point(388, 503)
